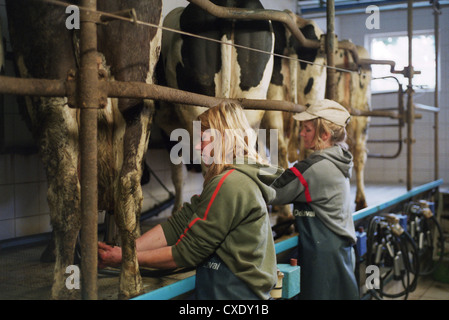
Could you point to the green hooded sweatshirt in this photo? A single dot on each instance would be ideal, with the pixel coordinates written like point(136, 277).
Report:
point(230, 218)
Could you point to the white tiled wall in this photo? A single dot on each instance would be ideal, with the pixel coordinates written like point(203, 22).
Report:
point(23, 192)
point(23, 202)
point(394, 171)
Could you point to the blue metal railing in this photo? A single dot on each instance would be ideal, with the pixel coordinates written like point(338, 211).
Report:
point(413, 192)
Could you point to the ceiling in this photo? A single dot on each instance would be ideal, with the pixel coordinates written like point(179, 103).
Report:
point(318, 7)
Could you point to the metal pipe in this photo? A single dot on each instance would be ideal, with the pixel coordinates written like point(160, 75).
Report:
point(384, 141)
point(257, 14)
point(399, 125)
point(273, 15)
point(391, 63)
point(36, 87)
point(383, 156)
point(330, 50)
point(376, 113)
point(410, 106)
point(141, 90)
point(88, 102)
point(383, 125)
point(423, 107)
point(436, 13)
point(118, 89)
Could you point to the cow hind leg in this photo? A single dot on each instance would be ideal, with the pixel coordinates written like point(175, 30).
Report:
point(65, 240)
point(284, 212)
point(357, 130)
point(128, 205)
point(274, 120)
point(359, 165)
point(129, 196)
point(126, 219)
point(66, 221)
point(59, 152)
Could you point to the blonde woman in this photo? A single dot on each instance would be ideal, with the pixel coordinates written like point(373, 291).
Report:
point(318, 187)
point(225, 231)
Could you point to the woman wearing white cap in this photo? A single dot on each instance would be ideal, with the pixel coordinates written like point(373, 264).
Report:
point(318, 187)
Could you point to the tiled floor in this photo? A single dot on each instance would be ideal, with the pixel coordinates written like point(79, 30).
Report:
point(429, 289)
point(24, 277)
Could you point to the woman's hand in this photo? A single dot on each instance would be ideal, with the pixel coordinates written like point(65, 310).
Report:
point(109, 256)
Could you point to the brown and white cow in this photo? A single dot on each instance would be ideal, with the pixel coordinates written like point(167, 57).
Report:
point(45, 48)
point(354, 92)
point(211, 68)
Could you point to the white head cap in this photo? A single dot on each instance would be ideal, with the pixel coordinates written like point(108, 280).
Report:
point(326, 109)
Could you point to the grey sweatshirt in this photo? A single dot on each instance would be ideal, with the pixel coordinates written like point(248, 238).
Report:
point(321, 181)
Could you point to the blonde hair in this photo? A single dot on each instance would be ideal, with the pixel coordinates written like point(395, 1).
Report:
point(228, 122)
point(338, 133)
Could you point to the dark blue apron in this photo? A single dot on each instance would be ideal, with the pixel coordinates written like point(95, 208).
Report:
point(325, 259)
point(214, 281)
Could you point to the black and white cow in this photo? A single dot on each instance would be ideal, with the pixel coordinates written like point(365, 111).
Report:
point(298, 82)
point(211, 68)
point(304, 83)
point(45, 48)
point(354, 92)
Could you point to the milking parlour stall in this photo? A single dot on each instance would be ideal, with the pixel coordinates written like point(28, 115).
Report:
point(99, 106)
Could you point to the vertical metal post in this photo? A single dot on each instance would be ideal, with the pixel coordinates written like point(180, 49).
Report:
point(88, 102)
point(330, 50)
point(410, 107)
point(436, 13)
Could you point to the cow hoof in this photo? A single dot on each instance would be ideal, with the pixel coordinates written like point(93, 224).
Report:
point(359, 205)
point(129, 295)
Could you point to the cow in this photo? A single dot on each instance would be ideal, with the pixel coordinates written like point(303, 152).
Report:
point(300, 79)
point(213, 69)
point(354, 92)
point(45, 48)
point(303, 81)
point(300, 82)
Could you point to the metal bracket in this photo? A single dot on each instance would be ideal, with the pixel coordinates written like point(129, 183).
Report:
point(127, 13)
point(104, 17)
point(71, 84)
point(323, 43)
